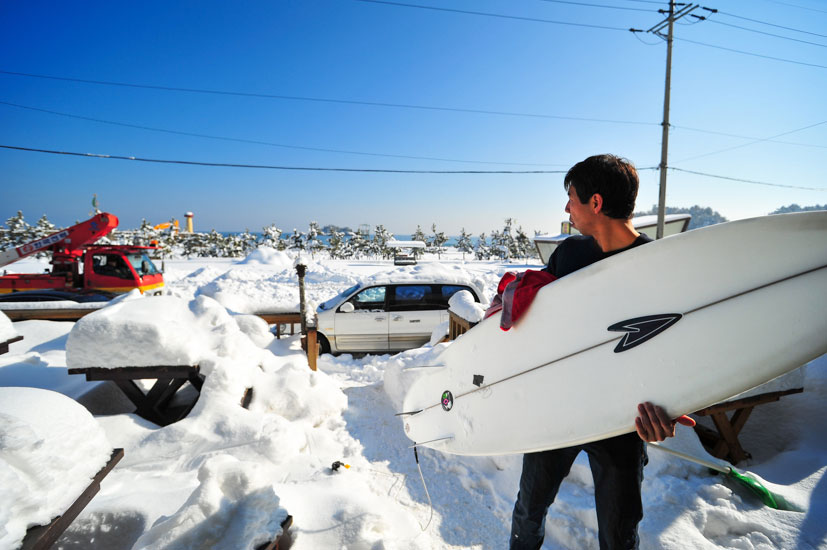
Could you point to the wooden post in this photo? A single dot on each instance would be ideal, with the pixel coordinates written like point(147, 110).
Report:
point(301, 269)
point(312, 348)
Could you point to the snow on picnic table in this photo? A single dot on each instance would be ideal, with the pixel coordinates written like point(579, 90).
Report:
point(225, 477)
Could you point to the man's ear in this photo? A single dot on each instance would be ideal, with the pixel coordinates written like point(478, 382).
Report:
point(596, 203)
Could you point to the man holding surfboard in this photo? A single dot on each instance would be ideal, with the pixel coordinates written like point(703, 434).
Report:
point(601, 198)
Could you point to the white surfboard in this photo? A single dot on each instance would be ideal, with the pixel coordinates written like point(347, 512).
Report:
point(684, 322)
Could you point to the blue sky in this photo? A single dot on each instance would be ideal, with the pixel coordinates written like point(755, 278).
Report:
point(305, 80)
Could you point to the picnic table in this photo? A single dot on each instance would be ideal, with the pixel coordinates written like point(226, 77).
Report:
point(156, 405)
point(722, 442)
point(43, 537)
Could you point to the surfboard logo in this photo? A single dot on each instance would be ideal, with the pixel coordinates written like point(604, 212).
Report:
point(447, 401)
point(642, 329)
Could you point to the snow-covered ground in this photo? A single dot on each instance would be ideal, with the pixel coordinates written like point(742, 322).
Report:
point(224, 477)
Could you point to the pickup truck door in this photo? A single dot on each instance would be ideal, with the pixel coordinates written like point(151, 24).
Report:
point(365, 328)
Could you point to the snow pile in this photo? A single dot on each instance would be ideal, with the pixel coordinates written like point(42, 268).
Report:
point(269, 283)
point(50, 449)
point(7, 331)
point(220, 474)
point(205, 520)
point(463, 304)
point(264, 255)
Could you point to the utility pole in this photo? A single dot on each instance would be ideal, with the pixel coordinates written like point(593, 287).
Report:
point(664, 140)
point(669, 22)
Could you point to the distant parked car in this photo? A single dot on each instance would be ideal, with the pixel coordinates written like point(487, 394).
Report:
point(386, 316)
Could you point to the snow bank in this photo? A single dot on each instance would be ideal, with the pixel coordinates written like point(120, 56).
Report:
point(7, 331)
point(161, 330)
point(269, 256)
point(50, 449)
point(205, 520)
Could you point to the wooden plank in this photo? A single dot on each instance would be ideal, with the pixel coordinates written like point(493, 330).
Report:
point(281, 318)
point(44, 537)
point(136, 373)
point(56, 314)
point(748, 401)
point(728, 446)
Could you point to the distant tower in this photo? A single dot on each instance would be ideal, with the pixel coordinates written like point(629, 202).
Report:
point(189, 216)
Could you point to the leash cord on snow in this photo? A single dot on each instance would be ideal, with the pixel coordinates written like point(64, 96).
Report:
point(427, 494)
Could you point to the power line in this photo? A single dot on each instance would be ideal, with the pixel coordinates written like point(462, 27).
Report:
point(770, 24)
point(796, 6)
point(486, 14)
point(258, 142)
point(368, 170)
point(325, 100)
point(586, 4)
point(766, 33)
point(752, 54)
point(748, 181)
point(277, 167)
point(755, 141)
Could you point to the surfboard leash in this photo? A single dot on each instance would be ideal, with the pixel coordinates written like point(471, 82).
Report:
point(425, 486)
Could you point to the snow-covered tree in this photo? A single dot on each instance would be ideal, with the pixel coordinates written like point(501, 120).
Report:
point(337, 245)
point(271, 236)
point(437, 241)
point(498, 247)
point(359, 245)
point(17, 230)
point(296, 240)
point(43, 227)
point(464, 243)
point(381, 236)
point(313, 243)
point(418, 236)
point(482, 251)
point(523, 246)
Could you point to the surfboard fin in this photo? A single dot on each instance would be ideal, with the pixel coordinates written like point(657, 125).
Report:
point(446, 438)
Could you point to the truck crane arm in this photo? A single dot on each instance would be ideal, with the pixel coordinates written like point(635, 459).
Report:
point(72, 239)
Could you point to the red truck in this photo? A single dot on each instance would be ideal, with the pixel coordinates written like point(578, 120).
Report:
point(79, 265)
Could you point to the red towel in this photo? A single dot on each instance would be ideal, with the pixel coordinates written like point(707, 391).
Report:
point(515, 292)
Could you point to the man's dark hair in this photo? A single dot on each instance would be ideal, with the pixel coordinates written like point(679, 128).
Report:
point(612, 177)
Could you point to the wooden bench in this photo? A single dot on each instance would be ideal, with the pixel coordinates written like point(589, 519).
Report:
point(279, 319)
point(44, 536)
point(723, 442)
point(156, 404)
point(4, 346)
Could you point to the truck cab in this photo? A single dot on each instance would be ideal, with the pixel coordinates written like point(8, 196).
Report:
point(78, 265)
point(121, 270)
